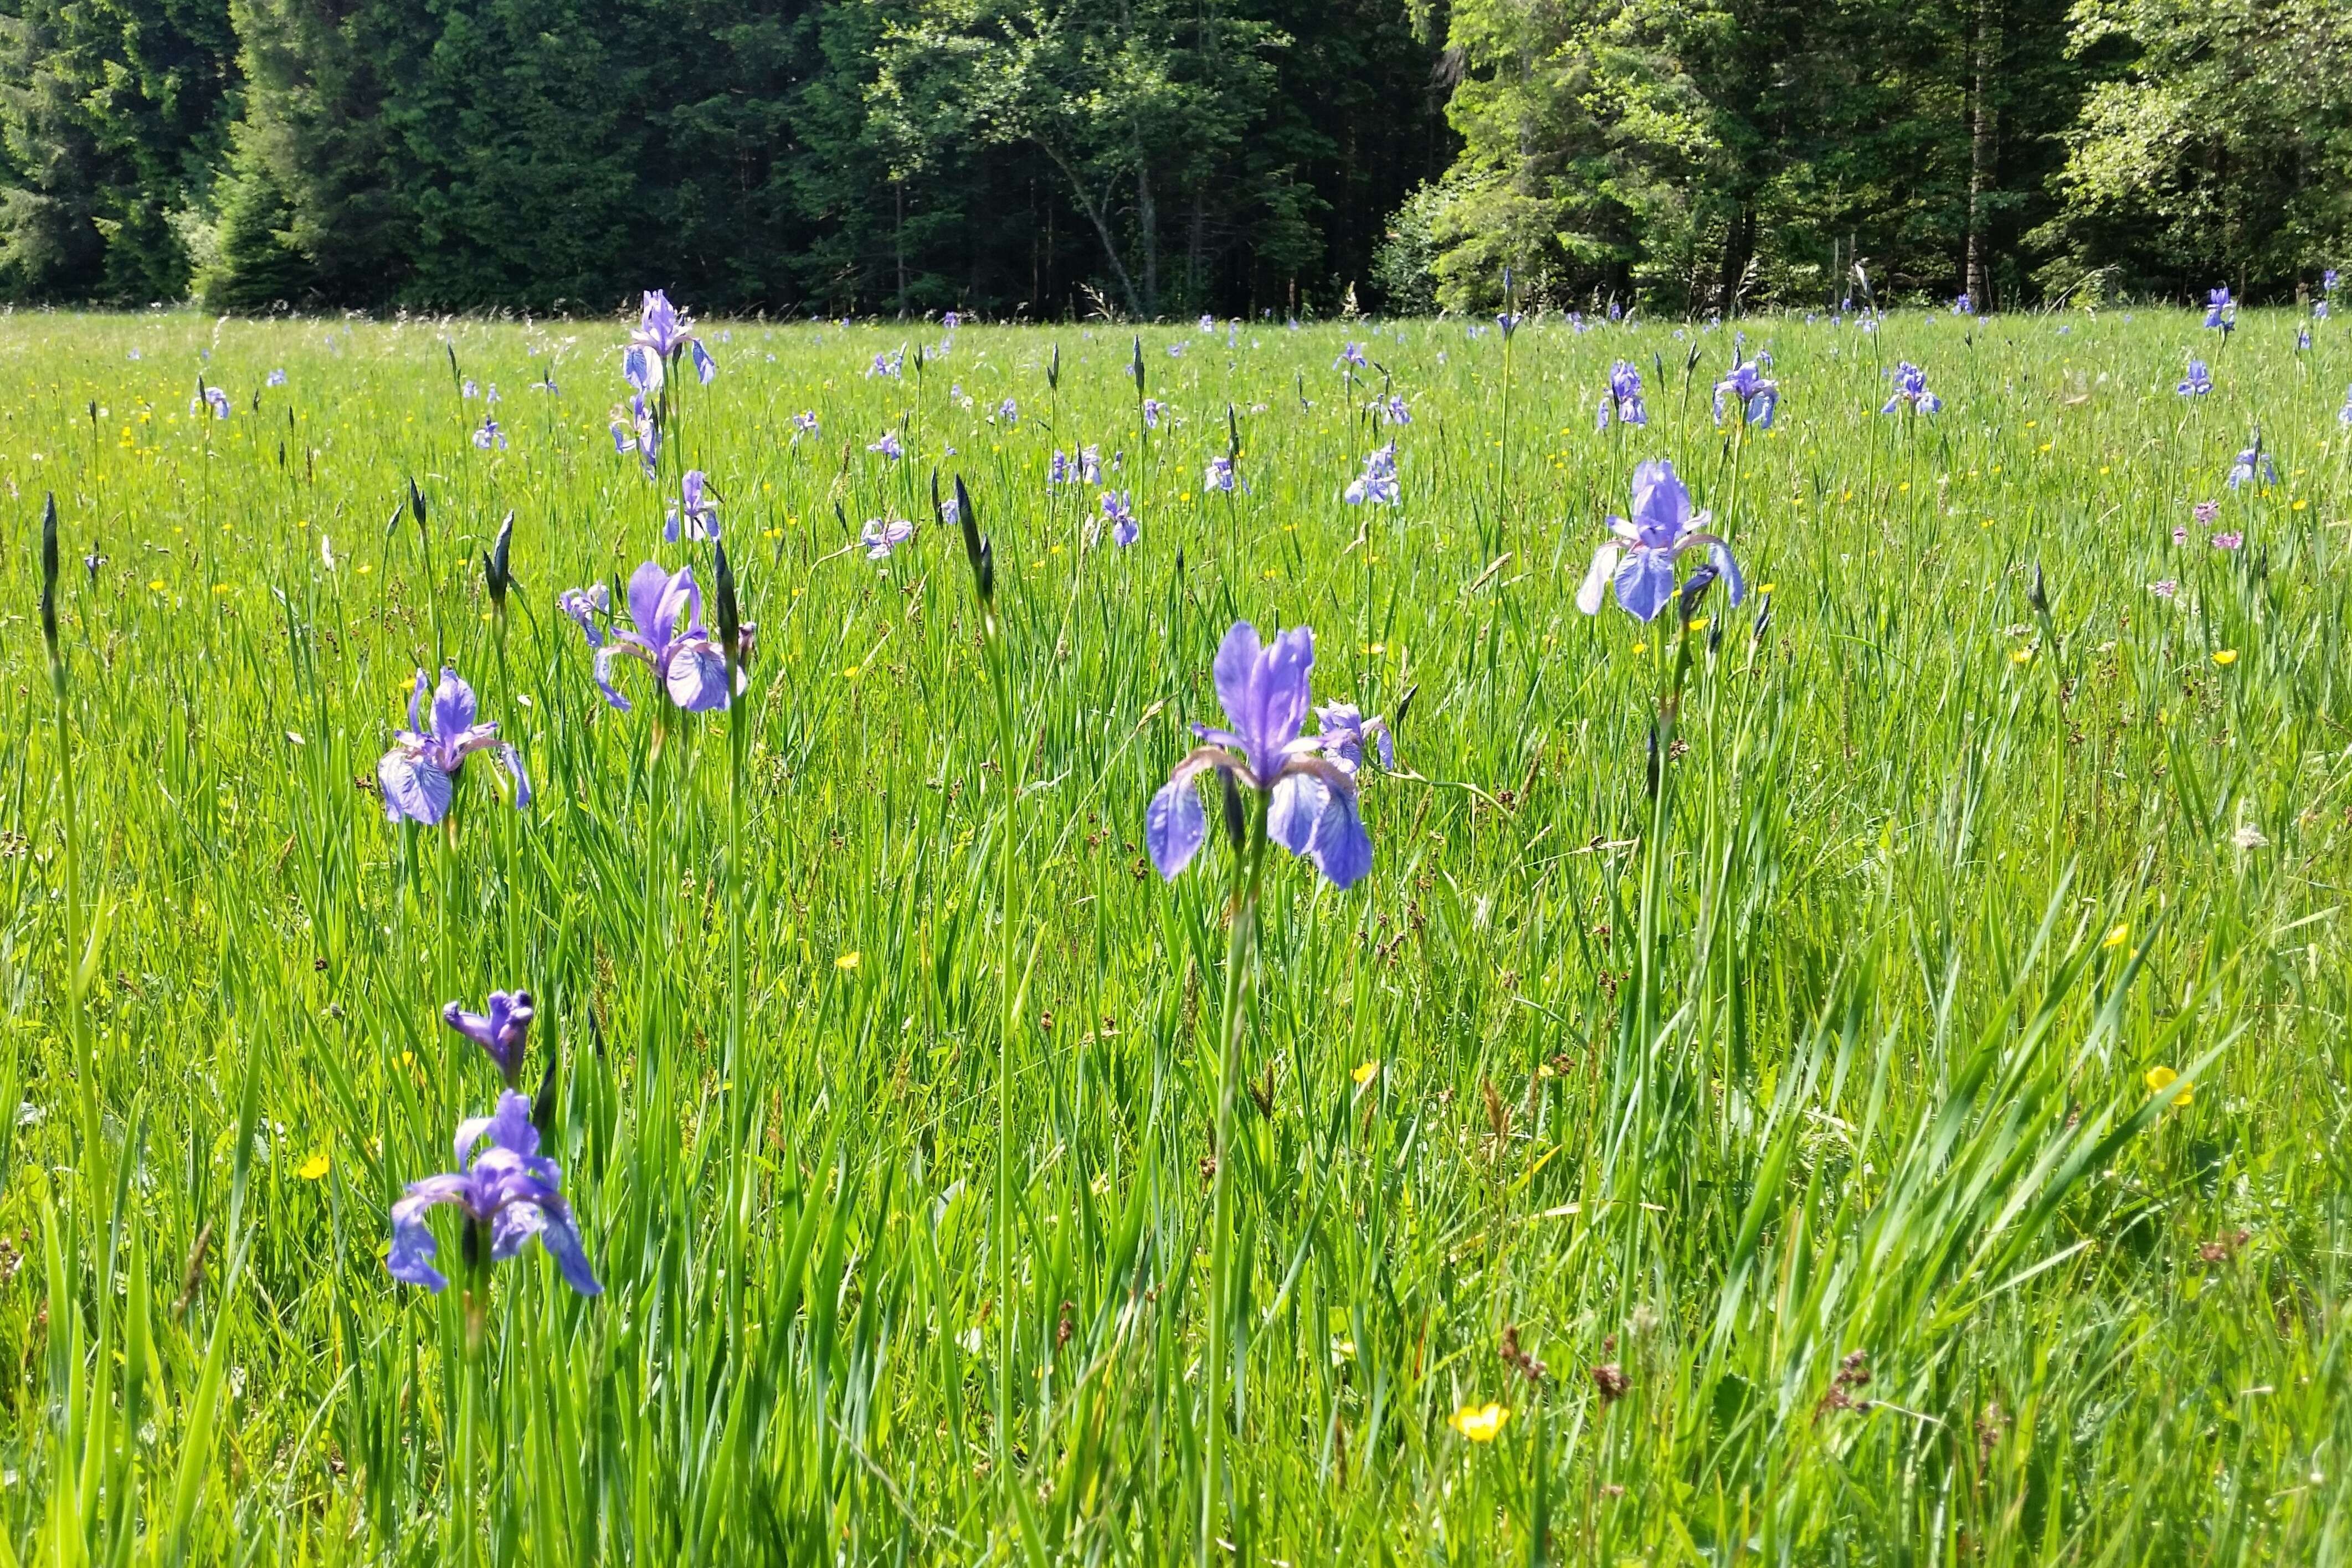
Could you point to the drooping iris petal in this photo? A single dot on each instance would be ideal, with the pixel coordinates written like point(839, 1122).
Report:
point(1646, 582)
point(1597, 577)
point(696, 678)
point(1175, 825)
point(414, 790)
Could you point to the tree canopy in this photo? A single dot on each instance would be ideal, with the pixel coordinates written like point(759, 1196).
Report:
point(1150, 158)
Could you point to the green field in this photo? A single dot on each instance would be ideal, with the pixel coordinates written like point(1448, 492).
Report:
point(1913, 1133)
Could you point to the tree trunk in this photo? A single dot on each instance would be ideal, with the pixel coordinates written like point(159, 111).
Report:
point(1984, 150)
point(1146, 218)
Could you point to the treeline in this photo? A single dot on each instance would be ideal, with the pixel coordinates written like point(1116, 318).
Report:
point(1044, 157)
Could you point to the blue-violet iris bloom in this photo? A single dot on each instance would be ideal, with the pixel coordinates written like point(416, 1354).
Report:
point(419, 774)
point(1311, 799)
point(687, 664)
point(508, 1187)
point(696, 510)
point(1757, 399)
point(502, 1029)
point(1640, 560)
point(1911, 390)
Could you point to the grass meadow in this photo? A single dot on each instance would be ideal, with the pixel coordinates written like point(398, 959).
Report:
point(1900, 1121)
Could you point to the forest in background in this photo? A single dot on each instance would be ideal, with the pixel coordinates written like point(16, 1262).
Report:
point(1040, 159)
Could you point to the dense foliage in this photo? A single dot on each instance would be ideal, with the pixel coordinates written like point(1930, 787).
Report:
point(1052, 158)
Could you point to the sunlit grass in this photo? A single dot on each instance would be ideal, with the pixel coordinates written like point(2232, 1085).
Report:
point(1928, 1147)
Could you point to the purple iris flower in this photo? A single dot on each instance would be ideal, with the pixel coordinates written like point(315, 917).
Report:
point(508, 1187)
point(276, 377)
point(1640, 560)
point(663, 330)
point(805, 424)
point(1311, 799)
point(1509, 322)
point(1377, 483)
point(689, 664)
point(2302, 340)
point(1208, 323)
point(2319, 311)
point(1009, 411)
point(2327, 280)
point(1353, 354)
point(470, 389)
point(1089, 465)
point(634, 429)
point(1624, 398)
point(490, 436)
point(1117, 510)
point(888, 446)
point(696, 510)
point(1152, 409)
point(2344, 414)
point(881, 536)
point(2218, 309)
point(213, 399)
point(1757, 399)
point(1057, 470)
point(2197, 382)
point(1911, 390)
point(500, 1030)
point(2254, 463)
point(1218, 476)
point(1345, 732)
point(1396, 410)
point(419, 775)
point(1962, 305)
point(891, 364)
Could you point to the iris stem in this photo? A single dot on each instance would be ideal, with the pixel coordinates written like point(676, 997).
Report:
point(1241, 954)
point(85, 1054)
point(1009, 765)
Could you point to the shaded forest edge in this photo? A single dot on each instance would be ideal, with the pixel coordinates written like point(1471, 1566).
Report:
point(1139, 158)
